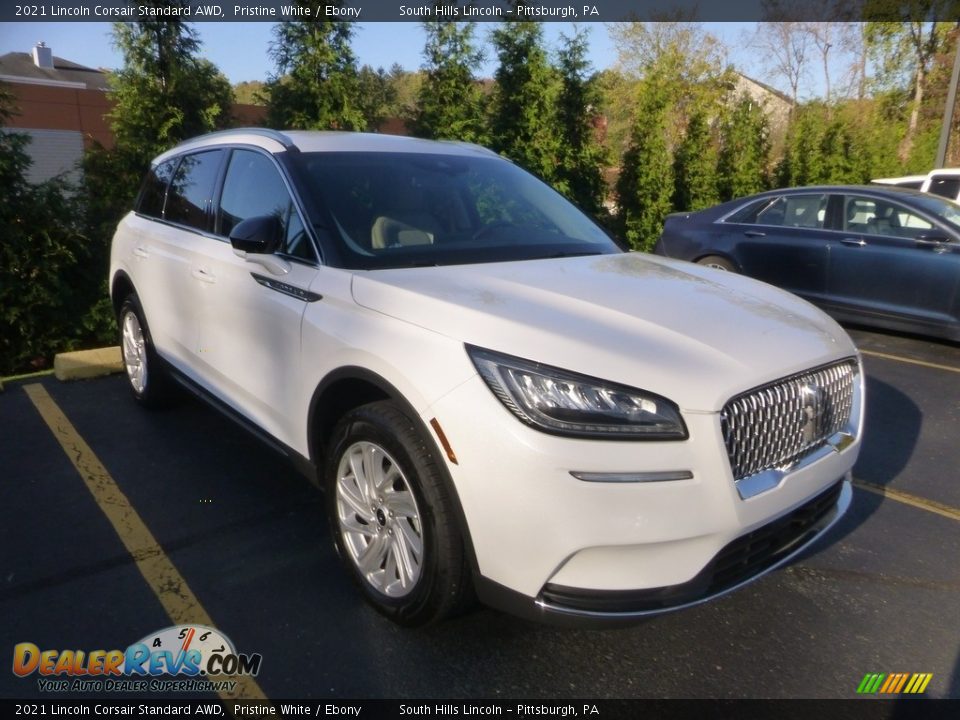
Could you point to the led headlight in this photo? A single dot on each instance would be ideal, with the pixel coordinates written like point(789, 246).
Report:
point(566, 403)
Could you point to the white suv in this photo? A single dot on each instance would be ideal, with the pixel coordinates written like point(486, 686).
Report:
point(497, 399)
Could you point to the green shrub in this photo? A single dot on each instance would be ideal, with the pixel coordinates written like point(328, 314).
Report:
point(47, 287)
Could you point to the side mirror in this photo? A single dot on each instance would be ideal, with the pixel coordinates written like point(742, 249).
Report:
point(259, 235)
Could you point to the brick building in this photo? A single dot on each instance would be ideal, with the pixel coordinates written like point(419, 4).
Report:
point(59, 104)
point(62, 107)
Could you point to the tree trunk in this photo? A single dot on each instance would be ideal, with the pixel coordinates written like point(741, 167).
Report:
point(907, 144)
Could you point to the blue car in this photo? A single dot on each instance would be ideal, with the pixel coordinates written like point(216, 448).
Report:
point(882, 256)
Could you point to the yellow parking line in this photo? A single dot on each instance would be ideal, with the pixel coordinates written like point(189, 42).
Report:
point(164, 579)
point(909, 499)
point(898, 358)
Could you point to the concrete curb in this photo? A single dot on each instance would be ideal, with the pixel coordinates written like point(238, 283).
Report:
point(84, 364)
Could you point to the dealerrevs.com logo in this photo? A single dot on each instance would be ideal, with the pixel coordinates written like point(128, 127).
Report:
point(190, 658)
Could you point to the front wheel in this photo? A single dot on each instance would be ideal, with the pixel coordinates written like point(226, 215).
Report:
point(149, 382)
point(392, 518)
point(718, 263)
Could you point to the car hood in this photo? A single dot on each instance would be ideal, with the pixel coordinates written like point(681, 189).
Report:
point(690, 333)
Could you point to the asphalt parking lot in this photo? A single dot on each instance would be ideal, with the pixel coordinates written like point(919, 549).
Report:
point(217, 529)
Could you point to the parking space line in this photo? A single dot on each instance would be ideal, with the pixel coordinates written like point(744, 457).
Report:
point(900, 358)
point(157, 569)
point(909, 499)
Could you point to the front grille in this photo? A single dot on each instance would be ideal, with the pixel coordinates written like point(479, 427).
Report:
point(775, 425)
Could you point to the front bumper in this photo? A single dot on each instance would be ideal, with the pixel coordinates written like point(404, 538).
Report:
point(742, 561)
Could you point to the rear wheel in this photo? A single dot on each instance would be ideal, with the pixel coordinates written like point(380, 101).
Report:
point(392, 518)
point(149, 382)
point(718, 263)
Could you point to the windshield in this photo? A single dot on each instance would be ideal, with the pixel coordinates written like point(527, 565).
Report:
point(392, 210)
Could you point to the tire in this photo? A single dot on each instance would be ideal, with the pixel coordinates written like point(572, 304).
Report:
point(718, 263)
point(392, 518)
point(146, 375)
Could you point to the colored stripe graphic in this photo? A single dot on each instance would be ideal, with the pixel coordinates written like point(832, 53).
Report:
point(894, 683)
point(870, 683)
point(891, 681)
point(918, 683)
point(900, 683)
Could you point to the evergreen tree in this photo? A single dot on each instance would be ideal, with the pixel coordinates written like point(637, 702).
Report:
point(825, 146)
point(744, 150)
point(645, 185)
point(695, 167)
point(165, 92)
point(316, 85)
point(843, 163)
point(45, 274)
point(450, 103)
point(377, 96)
point(523, 123)
point(580, 173)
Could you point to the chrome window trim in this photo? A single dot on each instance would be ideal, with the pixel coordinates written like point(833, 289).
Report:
point(773, 199)
point(936, 221)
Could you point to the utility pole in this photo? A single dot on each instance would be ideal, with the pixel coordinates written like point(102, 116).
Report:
point(948, 110)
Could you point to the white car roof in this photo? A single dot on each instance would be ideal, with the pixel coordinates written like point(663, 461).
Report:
point(327, 141)
point(898, 180)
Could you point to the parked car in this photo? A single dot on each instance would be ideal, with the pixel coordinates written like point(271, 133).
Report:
point(887, 257)
point(495, 397)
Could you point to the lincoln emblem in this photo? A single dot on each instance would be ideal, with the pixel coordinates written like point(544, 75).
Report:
point(812, 398)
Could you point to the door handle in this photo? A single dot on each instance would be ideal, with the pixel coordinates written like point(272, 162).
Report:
point(141, 252)
point(203, 275)
point(754, 233)
point(855, 242)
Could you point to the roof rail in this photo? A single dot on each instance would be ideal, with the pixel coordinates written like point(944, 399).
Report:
point(265, 132)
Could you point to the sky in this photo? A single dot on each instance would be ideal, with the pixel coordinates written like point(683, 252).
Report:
point(240, 50)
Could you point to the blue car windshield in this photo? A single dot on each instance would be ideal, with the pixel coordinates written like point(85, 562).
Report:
point(388, 210)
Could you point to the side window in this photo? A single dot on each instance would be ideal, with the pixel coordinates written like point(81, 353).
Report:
point(253, 187)
point(748, 213)
point(154, 190)
point(803, 211)
point(191, 189)
point(868, 216)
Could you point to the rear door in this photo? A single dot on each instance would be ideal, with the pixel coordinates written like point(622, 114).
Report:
point(172, 295)
point(782, 241)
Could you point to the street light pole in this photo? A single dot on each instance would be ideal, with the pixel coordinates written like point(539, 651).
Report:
point(948, 110)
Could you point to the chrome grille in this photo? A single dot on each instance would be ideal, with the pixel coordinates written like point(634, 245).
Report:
point(775, 425)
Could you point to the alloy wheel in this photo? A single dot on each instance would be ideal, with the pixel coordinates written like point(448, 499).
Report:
point(379, 520)
point(134, 352)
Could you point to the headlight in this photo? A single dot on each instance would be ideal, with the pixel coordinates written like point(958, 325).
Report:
point(566, 403)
